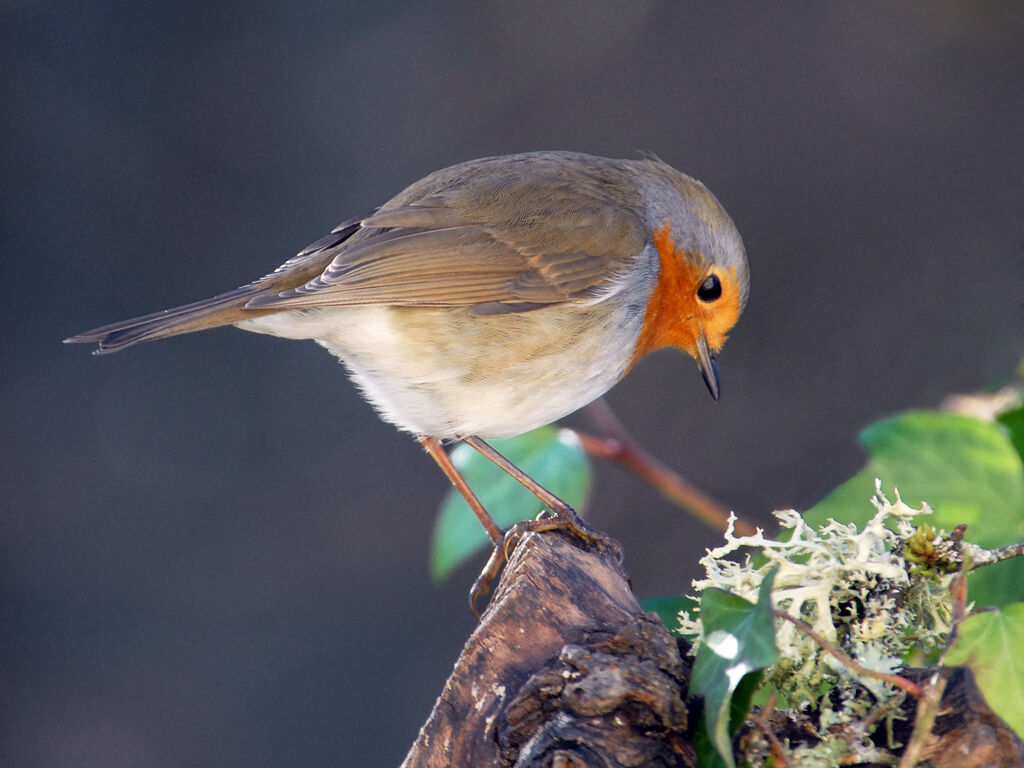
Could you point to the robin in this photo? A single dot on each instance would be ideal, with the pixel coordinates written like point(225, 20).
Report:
point(496, 296)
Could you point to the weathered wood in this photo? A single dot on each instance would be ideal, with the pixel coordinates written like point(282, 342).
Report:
point(565, 669)
point(967, 733)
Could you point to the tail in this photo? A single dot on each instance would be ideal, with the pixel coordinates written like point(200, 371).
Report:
point(225, 309)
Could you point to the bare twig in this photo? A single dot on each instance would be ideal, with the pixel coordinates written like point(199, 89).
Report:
point(980, 557)
point(761, 723)
point(958, 590)
point(902, 683)
point(619, 446)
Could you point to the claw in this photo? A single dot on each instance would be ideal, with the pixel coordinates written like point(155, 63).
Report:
point(511, 541)
point(482, 586)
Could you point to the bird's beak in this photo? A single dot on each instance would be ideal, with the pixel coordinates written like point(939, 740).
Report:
point(708, 365)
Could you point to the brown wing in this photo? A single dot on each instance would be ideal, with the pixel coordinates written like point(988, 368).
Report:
point(497, 235)
point(495, 242)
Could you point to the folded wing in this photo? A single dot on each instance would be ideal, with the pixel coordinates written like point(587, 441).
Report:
point(490, 241)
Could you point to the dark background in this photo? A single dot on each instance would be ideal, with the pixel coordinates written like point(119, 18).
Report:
point(212, 551)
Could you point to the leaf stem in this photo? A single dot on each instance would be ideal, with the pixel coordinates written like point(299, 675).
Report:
point(761, 723)
point(927, 710)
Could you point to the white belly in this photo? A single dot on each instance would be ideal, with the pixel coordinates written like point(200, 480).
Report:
point(445, 373)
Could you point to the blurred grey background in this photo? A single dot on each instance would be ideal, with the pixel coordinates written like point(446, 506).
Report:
point(212, 551)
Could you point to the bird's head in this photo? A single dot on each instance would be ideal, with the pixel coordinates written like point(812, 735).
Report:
point(701, 285)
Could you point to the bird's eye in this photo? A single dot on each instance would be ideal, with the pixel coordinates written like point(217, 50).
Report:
point(710, 289)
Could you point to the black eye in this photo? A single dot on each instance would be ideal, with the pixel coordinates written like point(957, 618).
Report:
point(710, 289)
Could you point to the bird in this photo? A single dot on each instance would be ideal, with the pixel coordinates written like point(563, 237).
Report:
point(496, 296)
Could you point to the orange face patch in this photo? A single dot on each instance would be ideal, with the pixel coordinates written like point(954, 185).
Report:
point(675, 316)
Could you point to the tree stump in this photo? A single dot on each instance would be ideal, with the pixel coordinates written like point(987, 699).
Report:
point(565, 669)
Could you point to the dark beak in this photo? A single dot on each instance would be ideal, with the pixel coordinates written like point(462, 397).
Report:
point(708, 365)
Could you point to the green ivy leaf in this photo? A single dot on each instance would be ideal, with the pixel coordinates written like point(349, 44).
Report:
point(738, 640)
point(1013, 420)
point(966, 469)
point(707, 753)
point(550, 455)
point(989, 642)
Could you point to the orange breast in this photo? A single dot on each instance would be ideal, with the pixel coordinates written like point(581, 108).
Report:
point(675, 317)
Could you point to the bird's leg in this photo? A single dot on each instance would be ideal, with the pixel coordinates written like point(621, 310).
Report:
point(547, 498)
point(440, 455)
point(564, 516)
point(482, 585)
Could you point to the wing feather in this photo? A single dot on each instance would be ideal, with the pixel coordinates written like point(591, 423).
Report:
point(497, 235)
point(522, 242)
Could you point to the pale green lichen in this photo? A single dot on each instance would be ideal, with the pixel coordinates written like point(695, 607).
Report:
point(857, 592)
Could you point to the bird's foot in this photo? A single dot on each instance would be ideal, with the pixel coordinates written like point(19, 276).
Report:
point(563, 519)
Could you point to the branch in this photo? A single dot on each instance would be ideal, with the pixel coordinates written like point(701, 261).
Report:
point(982, 557)
point(619, 446)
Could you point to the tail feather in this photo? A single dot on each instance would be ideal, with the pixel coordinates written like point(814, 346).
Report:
point(225, 309)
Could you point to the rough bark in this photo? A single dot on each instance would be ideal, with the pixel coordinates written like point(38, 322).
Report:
point(565, 669)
